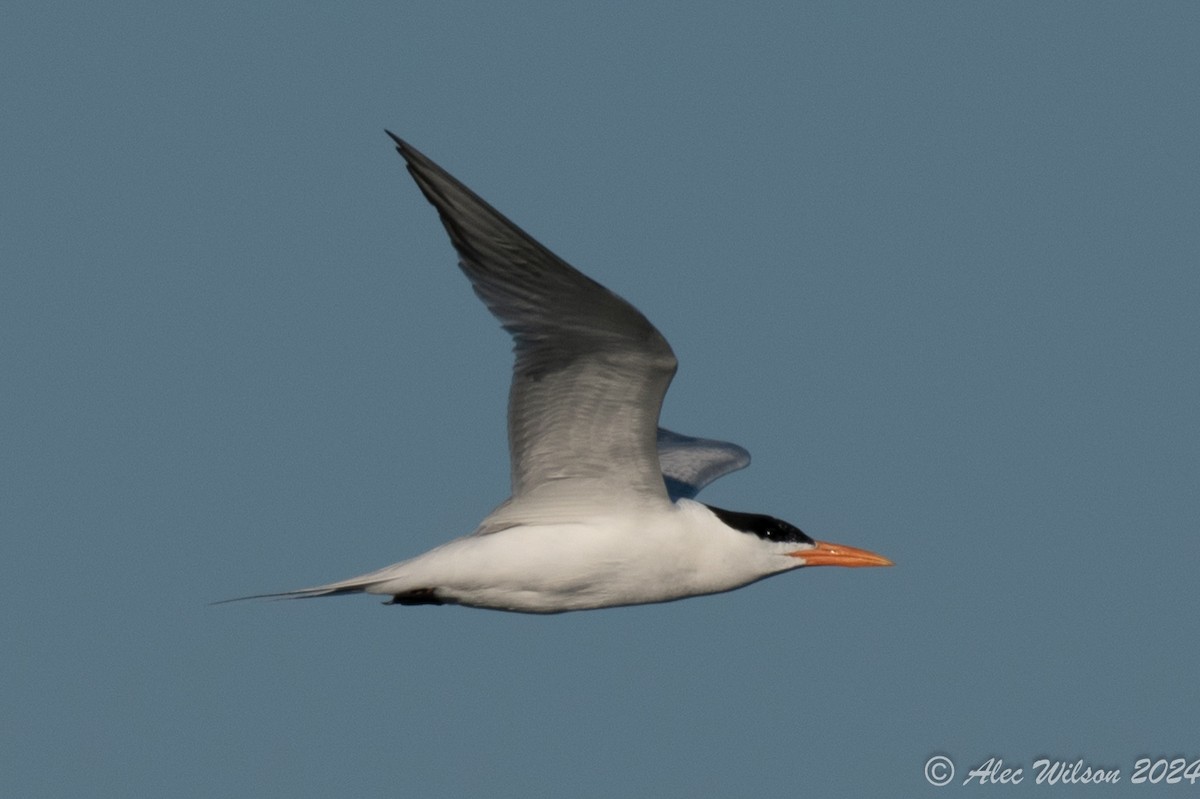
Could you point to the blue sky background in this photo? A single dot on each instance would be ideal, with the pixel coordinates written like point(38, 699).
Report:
point(935, 265)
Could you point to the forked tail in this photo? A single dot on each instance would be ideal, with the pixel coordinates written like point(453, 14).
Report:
point(355, 585)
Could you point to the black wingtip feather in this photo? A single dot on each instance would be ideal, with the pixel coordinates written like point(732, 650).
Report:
point(410, 154)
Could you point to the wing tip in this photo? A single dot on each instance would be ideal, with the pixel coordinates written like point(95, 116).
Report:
point(411, 155)
point(401, 144)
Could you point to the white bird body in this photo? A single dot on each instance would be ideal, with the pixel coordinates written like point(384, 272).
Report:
point(601, 511)
point(601, 560)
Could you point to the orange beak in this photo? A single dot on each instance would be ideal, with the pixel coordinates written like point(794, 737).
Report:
point(826, 554)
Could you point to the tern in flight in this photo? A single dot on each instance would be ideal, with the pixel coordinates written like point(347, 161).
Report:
point(602, 510)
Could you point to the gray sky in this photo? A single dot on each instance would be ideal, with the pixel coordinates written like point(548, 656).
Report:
point(935, 265)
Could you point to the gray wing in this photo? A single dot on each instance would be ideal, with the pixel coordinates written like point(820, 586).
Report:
point(590, 371)
point(689, 464)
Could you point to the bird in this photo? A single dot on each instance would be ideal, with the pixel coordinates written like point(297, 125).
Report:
point(602, 511)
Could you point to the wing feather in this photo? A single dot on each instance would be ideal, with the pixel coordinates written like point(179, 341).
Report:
point(590, 370)
point(689, 464)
